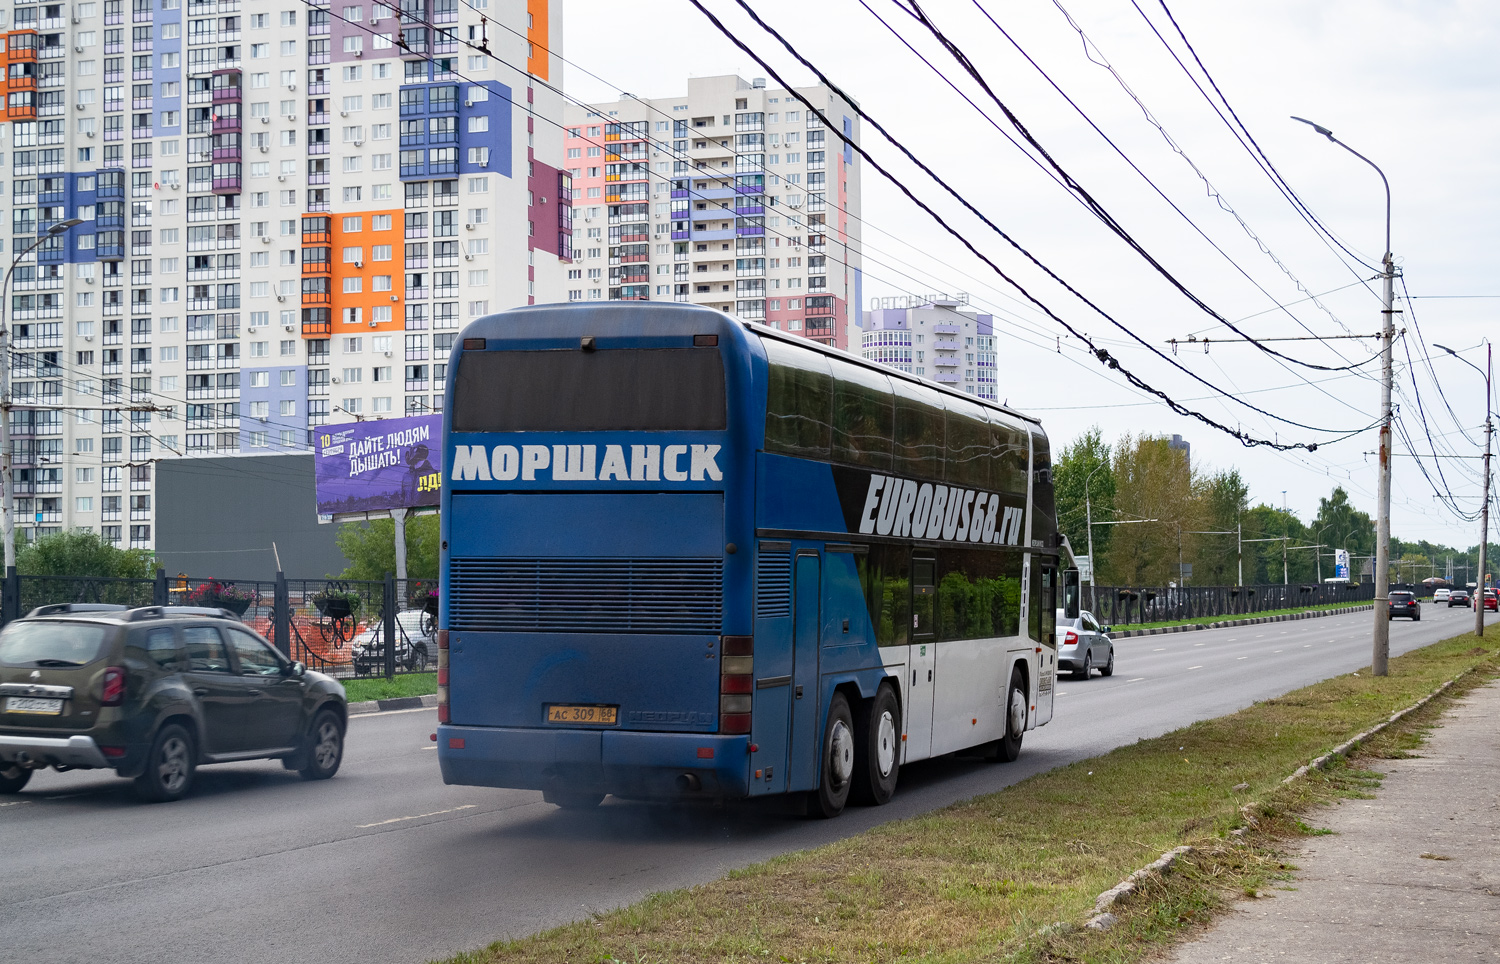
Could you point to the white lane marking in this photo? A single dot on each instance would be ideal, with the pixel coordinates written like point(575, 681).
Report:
point(1242, 657)
point(429, 748)
point(1307, 645)
point(435, 813)
point(1197, 644)
point(1260, 636)
point(13, 803)
point(1159, 649)
point(1274, 651)
point(1195, 667)
point(1136, 680)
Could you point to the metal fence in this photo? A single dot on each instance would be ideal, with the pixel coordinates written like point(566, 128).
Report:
point(1127, 605)
point(335, 626)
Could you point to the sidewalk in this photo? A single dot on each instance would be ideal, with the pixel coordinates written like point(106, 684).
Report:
point(1410, 876)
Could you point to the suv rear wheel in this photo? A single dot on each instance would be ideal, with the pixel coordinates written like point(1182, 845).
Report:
point(170, 766)
point(13, 778)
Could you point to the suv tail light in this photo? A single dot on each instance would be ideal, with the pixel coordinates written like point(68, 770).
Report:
point(112, 688)
point(442, 674)
point(736, 683)
point(1071, 639)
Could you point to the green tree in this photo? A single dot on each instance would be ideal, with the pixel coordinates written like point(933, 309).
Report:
point(81, 554)
point(1070, 475)
point(1341, 526)
point(1222, 499)
point(370, 548)
point(1153, 481)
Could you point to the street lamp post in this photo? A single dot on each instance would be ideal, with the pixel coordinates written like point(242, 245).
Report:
point(7, 488)
point(1379, 663)
point(1484, 515)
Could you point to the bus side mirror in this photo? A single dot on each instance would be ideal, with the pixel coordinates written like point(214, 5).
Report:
point(1071, 594)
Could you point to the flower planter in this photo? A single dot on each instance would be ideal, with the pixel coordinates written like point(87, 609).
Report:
point(236, 606)
point(334, 607)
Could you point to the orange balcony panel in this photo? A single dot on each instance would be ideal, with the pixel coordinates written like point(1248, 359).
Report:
point(317, 268)
point(316, 298)
point(317, 329)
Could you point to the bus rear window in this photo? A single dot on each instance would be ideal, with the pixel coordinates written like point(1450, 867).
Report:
point(611, 390)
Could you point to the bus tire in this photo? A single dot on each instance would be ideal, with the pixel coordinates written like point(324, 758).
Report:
point(1016, 709)
point(835, 762)
point(572, 800)
point(877, 753)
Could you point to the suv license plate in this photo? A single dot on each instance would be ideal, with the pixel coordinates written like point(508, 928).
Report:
point(563, 713)
point(33, 704)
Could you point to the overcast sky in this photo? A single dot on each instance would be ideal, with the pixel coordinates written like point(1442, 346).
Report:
point(1411, 85)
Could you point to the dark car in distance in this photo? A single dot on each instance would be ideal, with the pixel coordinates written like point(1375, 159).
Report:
point(1459, 597)
point(154, 692)
point(1405, 603)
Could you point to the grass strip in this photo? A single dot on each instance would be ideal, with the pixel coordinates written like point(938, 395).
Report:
point(978, 880)
point(1209, 620)
point(380, 688)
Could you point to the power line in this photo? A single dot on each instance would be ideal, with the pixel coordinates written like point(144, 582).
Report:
point(1252, 148)
point(1103, 355)
point(1091, 202)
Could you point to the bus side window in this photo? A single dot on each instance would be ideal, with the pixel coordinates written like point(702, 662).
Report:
point(799, 402)
point(1049, 603)
point(885, 577)
point(923, 598)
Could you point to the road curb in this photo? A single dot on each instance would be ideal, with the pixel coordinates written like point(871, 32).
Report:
point(1102, 919)
point(366, 707)
point(1251, 621)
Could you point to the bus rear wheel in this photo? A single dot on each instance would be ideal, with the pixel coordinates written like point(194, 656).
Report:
point(836, 762)
point(877, 759)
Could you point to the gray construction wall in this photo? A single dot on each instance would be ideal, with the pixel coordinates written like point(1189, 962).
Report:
point(217, 517)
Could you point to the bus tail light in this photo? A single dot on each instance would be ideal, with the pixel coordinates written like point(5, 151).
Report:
point(442, 669)
point(736, 683)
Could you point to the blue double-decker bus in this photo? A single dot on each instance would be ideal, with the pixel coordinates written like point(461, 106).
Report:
point(686, 556)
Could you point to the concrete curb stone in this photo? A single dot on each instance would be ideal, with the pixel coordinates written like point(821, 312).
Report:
point(365, 707)
point(1249, 621)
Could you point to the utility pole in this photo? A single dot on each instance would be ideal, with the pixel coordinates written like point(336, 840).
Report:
point(1484, 513)
point(1381, 648)
point(1088, 510)
point(1239, 552)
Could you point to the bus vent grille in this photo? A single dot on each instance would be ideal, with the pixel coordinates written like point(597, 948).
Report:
point(773, 581)
point(587, 595)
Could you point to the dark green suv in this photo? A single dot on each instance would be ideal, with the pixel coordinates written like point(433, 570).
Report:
point(152, 693)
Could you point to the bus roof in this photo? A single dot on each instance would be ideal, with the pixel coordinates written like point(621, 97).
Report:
point(668, 308)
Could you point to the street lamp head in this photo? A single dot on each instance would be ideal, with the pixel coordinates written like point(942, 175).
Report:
point(1317, 127)
point(62, 226)
point(1444, 348)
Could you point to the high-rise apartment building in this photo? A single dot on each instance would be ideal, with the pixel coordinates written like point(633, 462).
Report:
point(941, 340)
point(734, 196)
point(288, 208)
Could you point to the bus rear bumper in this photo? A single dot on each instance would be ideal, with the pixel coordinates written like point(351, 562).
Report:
point(624, 763)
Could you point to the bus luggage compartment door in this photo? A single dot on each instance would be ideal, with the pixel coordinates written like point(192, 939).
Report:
point(807, 734)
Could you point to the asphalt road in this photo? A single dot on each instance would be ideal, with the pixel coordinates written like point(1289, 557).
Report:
point(386, 864)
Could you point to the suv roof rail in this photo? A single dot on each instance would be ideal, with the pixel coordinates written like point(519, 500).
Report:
point(161, 612)
point(55, 608)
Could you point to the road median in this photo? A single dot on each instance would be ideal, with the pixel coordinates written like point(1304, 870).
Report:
point(1015, 874)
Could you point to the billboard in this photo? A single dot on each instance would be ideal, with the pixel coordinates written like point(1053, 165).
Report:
point(378, 466)
point(1341, 563)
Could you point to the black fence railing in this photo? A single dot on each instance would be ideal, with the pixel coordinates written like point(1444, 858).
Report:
point(340, 627)
point(1131, 605)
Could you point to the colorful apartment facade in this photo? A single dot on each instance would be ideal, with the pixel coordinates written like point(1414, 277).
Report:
point(288, 210)
point(734, 196)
